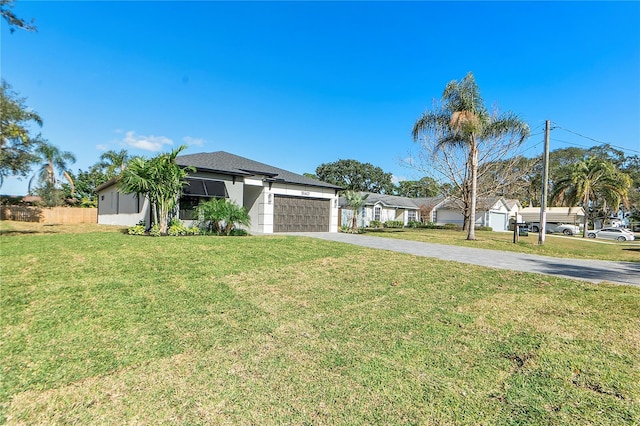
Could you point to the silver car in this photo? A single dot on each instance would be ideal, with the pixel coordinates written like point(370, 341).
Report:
point(619, 234)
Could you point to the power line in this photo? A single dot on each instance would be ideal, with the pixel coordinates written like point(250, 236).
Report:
point(571, 143)
point(556, 126)
point(533, 147)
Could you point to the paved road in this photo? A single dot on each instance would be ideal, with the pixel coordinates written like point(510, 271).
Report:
point(595, 271)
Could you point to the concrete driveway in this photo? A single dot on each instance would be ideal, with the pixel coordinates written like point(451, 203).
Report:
point(595, 271)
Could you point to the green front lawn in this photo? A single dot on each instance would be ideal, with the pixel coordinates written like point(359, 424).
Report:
point(102, 327)
point(555, 245)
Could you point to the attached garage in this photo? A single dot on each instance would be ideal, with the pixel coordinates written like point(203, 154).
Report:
point(498, 221)
point(298, 214)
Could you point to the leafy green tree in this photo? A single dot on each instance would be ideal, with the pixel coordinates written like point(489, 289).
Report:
point(356, 201)
point(113, 163)
point(464, 121)
point(54, 166)
point(561, 159)
point(12, 19)
point(85, 184)
point(160, 179)
point(221, 215)
point(16, 141)
point(631, 167)
point(593, 183)
point(356, 176)
point(425, 187)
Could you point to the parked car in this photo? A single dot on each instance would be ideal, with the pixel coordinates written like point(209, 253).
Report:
point(619, 234)
point(566, 229)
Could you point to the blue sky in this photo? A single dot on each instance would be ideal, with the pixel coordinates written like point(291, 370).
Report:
point(298, 84)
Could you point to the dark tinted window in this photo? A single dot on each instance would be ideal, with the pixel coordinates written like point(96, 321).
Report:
point(215, 189)
point(194, 187)
point(204, 188)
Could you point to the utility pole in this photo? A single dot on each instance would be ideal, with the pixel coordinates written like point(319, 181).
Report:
point(545, 186)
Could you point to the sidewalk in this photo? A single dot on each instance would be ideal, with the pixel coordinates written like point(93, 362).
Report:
point(595, 271)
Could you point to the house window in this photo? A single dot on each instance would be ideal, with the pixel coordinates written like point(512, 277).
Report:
point(377, 210)
point(411, 215)
point(197, 191)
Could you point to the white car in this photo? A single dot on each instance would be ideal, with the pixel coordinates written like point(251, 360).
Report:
point(619, 234)
point(566, 229)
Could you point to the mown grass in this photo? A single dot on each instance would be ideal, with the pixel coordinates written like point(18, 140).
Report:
point(556, 246)
point(109, 328)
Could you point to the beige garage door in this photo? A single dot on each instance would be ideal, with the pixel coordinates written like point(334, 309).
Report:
point(293, 214)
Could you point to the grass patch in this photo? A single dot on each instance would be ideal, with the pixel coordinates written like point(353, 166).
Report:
point(110, 328)
point(555, 246)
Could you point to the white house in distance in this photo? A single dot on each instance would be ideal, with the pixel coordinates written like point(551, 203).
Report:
point(277, 200)
point(494, 212)
point(384, 208)
point(568, 215)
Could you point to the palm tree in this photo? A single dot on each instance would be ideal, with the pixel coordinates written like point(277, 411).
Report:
point(356, 200)
point(464, 121)
point(593, 181)
point(53, 160)
point(160, 179)
point(113, 163)
point(222, 216)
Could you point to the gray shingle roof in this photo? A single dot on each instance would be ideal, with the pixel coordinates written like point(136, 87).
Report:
point(226, 163)
point(396, 201)
point(482, 203)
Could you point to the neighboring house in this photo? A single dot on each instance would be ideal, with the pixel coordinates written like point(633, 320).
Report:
point(277, 200)
point(490, 211)
point(569, 215)
point(384, 208)
point(514, 207)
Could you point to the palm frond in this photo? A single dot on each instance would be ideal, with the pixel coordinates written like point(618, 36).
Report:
point(430, 122)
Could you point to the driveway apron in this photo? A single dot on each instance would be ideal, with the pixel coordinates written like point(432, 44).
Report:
point(595, 271)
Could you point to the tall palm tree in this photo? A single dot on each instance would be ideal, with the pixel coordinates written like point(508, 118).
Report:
point(160, 179)
point(114, 163)
point(55, 163)
point(464, 121)
point(593, 181)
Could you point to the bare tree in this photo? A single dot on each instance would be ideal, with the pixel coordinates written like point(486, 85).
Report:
point(500, 167)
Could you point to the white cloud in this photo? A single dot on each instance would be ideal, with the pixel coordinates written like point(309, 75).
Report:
point(193, 141)
point(147, 143)
point(397, 179)
point(102, 147)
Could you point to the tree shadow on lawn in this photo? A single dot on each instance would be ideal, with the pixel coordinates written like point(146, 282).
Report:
point(16, 232)
point(625, 272)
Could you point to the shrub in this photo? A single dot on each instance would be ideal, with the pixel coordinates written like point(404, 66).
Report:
point(375, 224)
point(155, 230)
point(394, 224)
point(222, 215)
point(452, 226)
point(414, 224)
point(194, 230)
point(176, 230)
point(136, 230)
point(484, 228)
